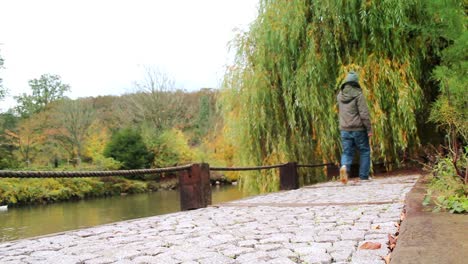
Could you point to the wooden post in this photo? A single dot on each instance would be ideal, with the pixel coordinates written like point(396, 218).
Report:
point(333, 171)
point(195, 188)
point(289, 179)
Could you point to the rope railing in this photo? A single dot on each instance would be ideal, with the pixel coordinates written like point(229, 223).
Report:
point(247, 168)
point(194, 179)
point(82, 174)
point(313, 165)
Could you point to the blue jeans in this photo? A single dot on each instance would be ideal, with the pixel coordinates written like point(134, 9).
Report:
point(350, 140)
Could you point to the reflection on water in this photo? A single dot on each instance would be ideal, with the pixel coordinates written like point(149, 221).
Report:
point(32, 221)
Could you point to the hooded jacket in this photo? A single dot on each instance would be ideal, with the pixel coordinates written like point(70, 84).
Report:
point(353, 111)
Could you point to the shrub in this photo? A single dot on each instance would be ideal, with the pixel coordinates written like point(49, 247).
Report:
point(451, 192)
point(127, 147)
point(172, 148)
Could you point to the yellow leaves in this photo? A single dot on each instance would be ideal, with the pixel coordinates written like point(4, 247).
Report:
point(27, 137)
point(392, 241)
point(12, 135)
point(96, 141)
point(283, 69)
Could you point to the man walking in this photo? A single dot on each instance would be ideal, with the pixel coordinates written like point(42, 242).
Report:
point(355, 127)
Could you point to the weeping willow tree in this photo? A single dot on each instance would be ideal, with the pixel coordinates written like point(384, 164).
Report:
point(280, 94)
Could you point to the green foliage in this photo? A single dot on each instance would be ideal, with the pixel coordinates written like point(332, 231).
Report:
point(127, 147)
point(449, 111)
point(172, 149)
point(7, 158)
point(455, 204)
point(450, 188)
point(103, 163)
point(280, 96)
point(48, 88)
point(280, 99)
point(204, 117)
point(34, 191)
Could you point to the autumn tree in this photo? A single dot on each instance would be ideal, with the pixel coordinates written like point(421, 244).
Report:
point(48, 88)
point(27, 138)
point(97, 139)
point(155, 101)
point(280, 97)
point(72, 120)
point(7, 123)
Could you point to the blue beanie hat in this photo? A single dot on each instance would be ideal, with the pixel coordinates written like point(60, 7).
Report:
point(352, 77)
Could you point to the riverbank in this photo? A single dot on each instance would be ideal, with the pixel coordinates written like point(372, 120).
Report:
point(16, 192)
point(19, 192)
point(323, 223)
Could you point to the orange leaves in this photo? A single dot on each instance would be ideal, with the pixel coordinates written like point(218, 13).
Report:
point(387, 259)
point(370, 245)
point(12, 135)
point(392, 241)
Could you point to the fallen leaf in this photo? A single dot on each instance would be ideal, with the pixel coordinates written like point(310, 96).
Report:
point(392, 242)
point(376, 227)
point(386, 259)
point(370, 245)
point(402, 216)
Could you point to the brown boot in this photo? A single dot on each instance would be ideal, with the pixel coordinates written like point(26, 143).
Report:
point(343, 175)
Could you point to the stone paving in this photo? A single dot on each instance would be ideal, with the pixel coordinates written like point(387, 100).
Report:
point(324, 223)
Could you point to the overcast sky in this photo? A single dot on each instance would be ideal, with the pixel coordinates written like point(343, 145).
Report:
point(100, 47)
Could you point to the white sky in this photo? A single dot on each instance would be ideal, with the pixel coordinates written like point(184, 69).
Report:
point(99, 47)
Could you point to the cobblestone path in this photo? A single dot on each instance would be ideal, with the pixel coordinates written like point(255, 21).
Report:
point(324, 223)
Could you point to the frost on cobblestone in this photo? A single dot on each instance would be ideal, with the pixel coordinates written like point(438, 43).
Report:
point(308, 233)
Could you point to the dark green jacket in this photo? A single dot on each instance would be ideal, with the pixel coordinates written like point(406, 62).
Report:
point(354, 114)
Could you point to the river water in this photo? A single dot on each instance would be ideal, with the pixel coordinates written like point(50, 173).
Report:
point(30, 221)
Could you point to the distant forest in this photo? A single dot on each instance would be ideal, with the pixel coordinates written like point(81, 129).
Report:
point(161, 125)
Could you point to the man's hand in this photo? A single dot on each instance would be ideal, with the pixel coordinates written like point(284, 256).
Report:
point(369, 134)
